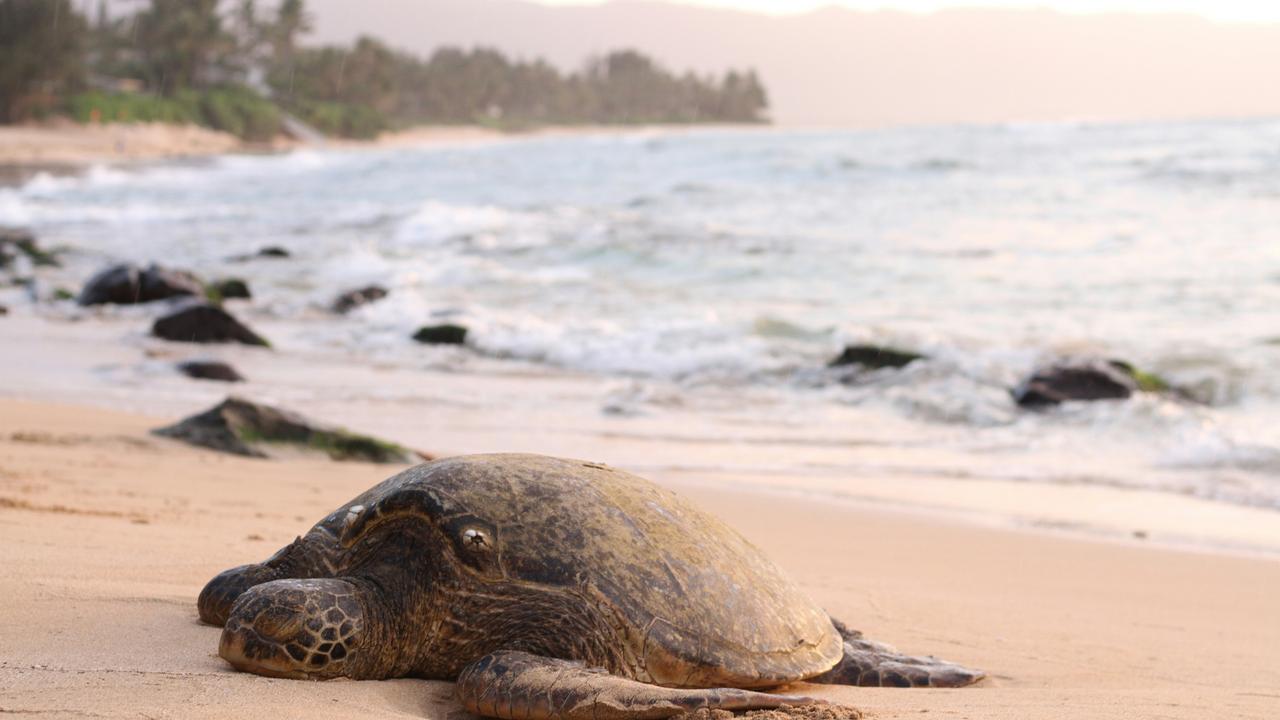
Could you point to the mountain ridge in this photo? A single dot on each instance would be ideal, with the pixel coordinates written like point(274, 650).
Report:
point(844, 67)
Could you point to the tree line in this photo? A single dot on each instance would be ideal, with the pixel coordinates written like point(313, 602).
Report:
point(234, 65)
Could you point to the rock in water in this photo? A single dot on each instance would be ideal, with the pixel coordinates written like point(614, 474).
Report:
point(127, 284)
point(441, 335)
point(3, 311)
point(874, 357)
point(1076, 380)
point(273, 251)
point(203, 323)
point(243, 427)
point(349, 301)
point(229, 289)
point(15, 241)
point(210, 370)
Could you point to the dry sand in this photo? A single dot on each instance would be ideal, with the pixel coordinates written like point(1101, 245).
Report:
point(69, 144)
point(107, 534)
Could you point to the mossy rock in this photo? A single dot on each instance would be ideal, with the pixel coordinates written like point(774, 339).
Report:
point(19, 240)
point(1088, 380)
point(447, 334)
point(242, 427)
point(874, 357)
point(229, 289)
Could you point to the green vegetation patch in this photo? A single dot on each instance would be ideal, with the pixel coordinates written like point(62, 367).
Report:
point(343, 445)
point(342, 119)
point(1150, 382)
point(235, 110)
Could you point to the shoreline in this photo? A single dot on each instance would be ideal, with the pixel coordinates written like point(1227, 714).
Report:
point(100, 361)
point(64, 147)
point(100, 519)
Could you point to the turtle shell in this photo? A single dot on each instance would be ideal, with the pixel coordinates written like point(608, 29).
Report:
point(707, 607)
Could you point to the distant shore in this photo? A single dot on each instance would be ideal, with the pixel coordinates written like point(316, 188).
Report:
point(65, 146)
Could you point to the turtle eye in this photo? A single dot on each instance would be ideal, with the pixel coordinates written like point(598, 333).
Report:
point(476, 540)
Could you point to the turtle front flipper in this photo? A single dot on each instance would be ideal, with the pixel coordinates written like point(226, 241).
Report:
point(511, 685)
point(872, 664)
point(314, 555)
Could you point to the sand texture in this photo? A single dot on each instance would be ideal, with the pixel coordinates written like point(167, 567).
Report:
point(71, 144)
point(108, 533)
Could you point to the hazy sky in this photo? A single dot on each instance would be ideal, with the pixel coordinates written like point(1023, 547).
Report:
point(1227, 10)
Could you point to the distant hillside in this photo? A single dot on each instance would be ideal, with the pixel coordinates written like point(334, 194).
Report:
point(844, 67)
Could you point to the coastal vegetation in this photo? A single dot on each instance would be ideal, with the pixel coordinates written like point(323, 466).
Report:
point(242, 69)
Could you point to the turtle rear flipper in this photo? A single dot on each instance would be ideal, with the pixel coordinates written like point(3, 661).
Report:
point(872, 664)
point(511, 685)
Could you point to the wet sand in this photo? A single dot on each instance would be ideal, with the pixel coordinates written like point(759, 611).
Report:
point(108, 533)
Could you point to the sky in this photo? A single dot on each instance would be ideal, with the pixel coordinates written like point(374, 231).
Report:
point(1266, 11)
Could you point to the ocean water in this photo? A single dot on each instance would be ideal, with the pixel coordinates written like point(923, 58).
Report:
point(717, 272)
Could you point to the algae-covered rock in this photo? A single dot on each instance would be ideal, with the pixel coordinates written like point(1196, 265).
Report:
point(17, 242)
point(229, 289)
point(874, 357)
point(243, 427)
point(1075, 380)
point(1090, 379)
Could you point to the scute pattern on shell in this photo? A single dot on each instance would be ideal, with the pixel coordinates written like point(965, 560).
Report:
point(701, 605)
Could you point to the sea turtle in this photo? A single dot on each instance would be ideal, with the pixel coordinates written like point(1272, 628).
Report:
point(549, 589)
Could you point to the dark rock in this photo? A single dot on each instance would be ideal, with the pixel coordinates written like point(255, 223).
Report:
point(210, 370)
point(349, 301)
point(203, 323)
point(229, 289)
point(15, 241)
point(441, 335)
point(269, 252)
point(3, 311)
point(127, 284)
point(874, 357)
point(1076, 380)
point(243, 427)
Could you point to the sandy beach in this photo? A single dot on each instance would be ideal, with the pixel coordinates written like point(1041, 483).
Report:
point(65, 146)
point(1080, 596)
point(108, 534)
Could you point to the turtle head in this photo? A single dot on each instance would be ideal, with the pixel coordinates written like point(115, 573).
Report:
point(308, 629)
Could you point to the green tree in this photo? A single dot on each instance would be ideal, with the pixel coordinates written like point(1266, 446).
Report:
point(181, 44)
point(42, 55)
point(292, 21)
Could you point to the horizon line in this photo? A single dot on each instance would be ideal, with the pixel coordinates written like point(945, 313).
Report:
point(834, 6)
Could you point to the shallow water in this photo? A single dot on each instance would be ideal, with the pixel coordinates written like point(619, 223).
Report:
point(714, 273)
